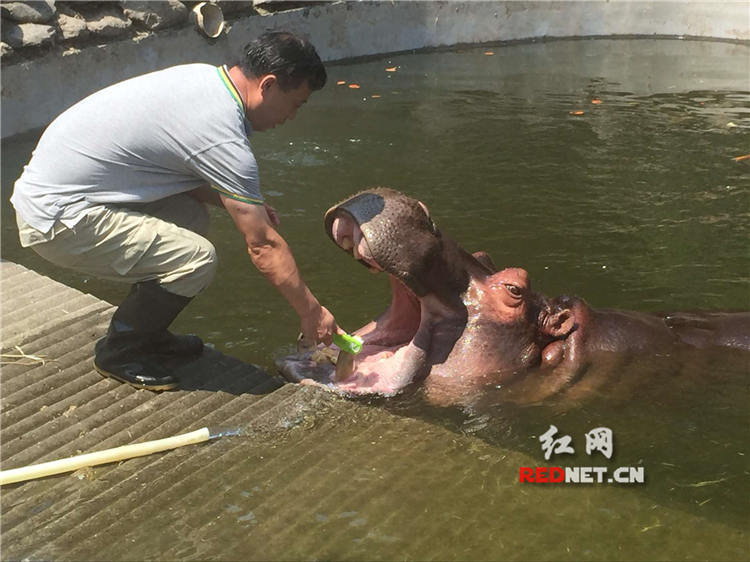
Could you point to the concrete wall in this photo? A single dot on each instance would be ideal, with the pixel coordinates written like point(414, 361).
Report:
point(33, 93)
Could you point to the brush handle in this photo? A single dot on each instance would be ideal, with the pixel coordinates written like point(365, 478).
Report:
point(347, 343)
point(102, 457)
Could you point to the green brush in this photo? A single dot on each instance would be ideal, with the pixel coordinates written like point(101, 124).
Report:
point(347, 343)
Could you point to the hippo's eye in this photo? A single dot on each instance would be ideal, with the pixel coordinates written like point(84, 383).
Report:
point(514, 290)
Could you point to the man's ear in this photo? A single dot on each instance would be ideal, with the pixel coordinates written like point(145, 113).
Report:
point(267, 81)
point(559, 323)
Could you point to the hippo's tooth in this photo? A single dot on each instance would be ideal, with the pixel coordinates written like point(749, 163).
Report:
point(344, 366)
point(357, 244)
point(342, 232)
point(320, 356)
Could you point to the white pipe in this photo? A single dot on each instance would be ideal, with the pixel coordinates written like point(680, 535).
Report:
point(102, 457)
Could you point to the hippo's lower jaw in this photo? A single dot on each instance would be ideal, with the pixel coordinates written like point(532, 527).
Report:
point(394, 353)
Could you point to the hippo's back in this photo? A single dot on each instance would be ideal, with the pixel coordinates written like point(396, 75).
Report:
point(706, 329)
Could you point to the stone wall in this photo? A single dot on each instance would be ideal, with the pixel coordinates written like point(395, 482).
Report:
point(37, 28)
point(79, 47)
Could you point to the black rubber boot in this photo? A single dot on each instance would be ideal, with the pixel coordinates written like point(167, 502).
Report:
point(117, 358)
point(168, 343)
point(150, 297)
point(137, 339)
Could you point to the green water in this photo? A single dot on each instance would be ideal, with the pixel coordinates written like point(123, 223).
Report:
point(637, 203)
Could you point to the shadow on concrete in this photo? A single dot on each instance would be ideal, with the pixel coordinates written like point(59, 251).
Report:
point(216, 372)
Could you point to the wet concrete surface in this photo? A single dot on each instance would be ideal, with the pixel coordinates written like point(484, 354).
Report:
point(54, 405)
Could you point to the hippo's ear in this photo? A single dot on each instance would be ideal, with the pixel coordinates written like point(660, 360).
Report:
point(432, 225)
point(559, 323)
point(485, 259)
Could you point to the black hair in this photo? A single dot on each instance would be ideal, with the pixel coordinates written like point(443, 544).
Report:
point(291, 59)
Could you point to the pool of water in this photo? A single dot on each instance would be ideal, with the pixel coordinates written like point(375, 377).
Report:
point(604, 168)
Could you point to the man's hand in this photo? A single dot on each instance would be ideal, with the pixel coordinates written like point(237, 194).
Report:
point(319, 326)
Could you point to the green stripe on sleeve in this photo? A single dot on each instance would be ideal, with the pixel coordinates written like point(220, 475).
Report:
point(242, 198)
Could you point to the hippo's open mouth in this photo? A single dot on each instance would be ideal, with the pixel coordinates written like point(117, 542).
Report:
point(396, 344)
point(389, 359)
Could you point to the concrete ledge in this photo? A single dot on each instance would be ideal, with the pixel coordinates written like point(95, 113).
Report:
point(36, 92)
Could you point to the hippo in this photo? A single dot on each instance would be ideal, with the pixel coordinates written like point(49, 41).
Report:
point(457, 325)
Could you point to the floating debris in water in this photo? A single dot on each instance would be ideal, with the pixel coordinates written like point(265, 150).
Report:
point(489, 53)
point(656, 526)
point(596, 101)
point(391, 69)
point(341, 82)
point(354, 86)
point(579, 112)
point(704, 483)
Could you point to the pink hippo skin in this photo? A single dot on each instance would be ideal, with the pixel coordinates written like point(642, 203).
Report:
point(456, 325)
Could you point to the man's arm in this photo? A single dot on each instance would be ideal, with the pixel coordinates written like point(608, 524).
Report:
point(272, 256)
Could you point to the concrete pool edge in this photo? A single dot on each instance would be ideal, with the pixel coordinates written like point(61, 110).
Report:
point(347, 30)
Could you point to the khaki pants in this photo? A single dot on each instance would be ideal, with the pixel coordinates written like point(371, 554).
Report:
point(163, 240)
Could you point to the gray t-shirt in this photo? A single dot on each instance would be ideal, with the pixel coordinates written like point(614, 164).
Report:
point(141, 140)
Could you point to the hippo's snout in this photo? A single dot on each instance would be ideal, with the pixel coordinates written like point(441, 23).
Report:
point(388, 231)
